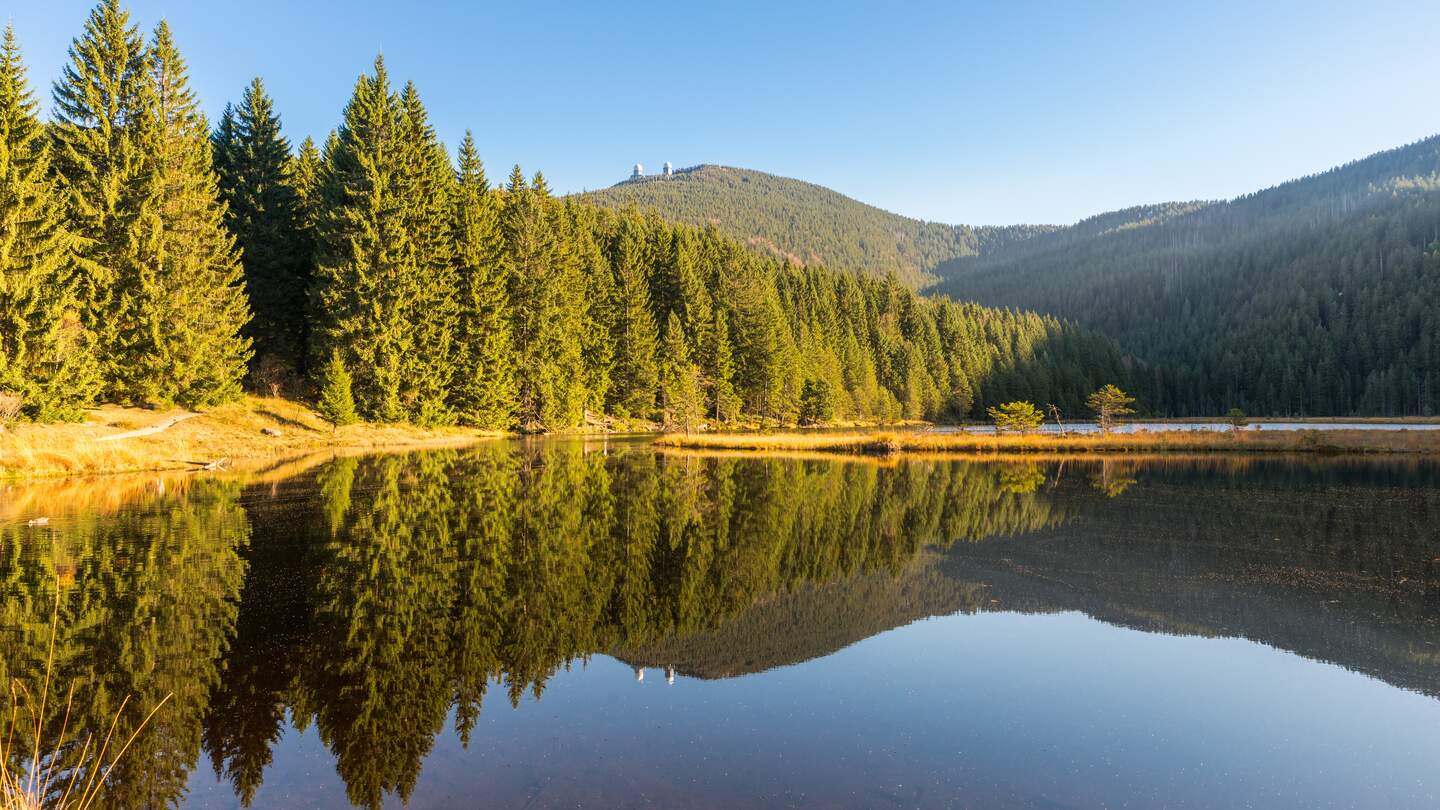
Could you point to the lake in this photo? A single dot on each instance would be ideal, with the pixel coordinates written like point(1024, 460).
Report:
point(558, 623)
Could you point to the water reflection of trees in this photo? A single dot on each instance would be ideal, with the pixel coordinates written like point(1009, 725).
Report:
point(380, 594)
point(147, 609)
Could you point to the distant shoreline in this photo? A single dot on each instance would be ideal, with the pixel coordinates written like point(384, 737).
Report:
point(1329, 442)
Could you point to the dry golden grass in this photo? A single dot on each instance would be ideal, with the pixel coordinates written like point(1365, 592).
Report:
point(1182, 441)
point(36, 783)
point(231, 432)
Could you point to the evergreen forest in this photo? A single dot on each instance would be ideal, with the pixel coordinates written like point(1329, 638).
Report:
point(1318, 297)
point(149, 257)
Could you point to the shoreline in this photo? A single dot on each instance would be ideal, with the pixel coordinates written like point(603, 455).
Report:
point(886, 443)
point(251, 432)
point(255, 431)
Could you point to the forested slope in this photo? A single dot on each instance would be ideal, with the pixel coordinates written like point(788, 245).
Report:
point(1315, 297)
point(804, 222)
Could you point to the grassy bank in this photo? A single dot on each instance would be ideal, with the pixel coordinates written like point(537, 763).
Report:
point(1183, 441)
point(113, 439)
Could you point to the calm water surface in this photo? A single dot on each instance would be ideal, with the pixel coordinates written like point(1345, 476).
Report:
point(594, 624)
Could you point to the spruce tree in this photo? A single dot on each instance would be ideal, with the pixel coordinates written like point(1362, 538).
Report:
point(252, 159)
point(636, 342)
point(305, 170)
point(101, 99)
point(45, 353)
point(186, 344)
point(724, 402)
point(368, 287)
point(597, 345)
point(427, 183)
point(546, 289)
point(337, 402)
point(682, 400)
point(484, 391)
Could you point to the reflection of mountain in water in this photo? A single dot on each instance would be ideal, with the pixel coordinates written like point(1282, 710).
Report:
point(810, 621)
point(1339, 563)
point(373, 598)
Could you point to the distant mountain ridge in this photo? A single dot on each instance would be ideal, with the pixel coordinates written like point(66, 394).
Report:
point(1314, 297)
point(807, 223)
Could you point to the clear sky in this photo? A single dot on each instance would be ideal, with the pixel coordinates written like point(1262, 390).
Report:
point(979, 113)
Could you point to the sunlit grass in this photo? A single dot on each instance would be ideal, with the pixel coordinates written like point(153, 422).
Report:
point(1192, 441)
point(233, 431)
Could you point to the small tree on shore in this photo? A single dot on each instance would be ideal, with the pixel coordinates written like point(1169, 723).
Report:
point(1108, 403)
point(1237, 419)
point(817, 402)
point(1020, 417)
point(337, 401)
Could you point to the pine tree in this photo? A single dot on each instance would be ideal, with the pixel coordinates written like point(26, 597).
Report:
point(45, 353)
point(252, 160)
point(337, 403)
point(484, 390)
point(186, 345)
point(104, 93)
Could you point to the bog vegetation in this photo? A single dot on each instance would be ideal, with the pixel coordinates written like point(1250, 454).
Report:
point(150, 258)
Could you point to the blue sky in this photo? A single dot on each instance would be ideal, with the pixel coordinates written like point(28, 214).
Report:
point(975, 113)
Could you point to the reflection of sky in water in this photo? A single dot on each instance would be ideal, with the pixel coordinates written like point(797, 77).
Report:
point(991, 710)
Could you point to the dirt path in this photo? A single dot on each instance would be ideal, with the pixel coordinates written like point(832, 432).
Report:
point(149, 431)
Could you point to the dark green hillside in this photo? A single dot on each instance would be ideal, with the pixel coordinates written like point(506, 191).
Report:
point(805, 222)
point(1315, 297)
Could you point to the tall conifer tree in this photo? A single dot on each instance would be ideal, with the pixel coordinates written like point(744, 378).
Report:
point(546, 289)
point(45, 351)
point(427, 181)
point(637, 376)
point(368, 287)
point(252, 159)
point(103, 96)
point(186, 345)
point(484, 390)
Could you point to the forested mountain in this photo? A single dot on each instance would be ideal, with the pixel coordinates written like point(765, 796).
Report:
point(806, 223)
point(148, 259)
point(1316, 297)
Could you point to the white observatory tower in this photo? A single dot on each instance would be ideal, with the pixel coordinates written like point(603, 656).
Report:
point(669, 170)
point(638, 172)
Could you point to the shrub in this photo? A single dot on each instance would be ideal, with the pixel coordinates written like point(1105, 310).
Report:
point(10, 406)
point(1019, 416)
point(1237, 419)
point(1108, 403)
